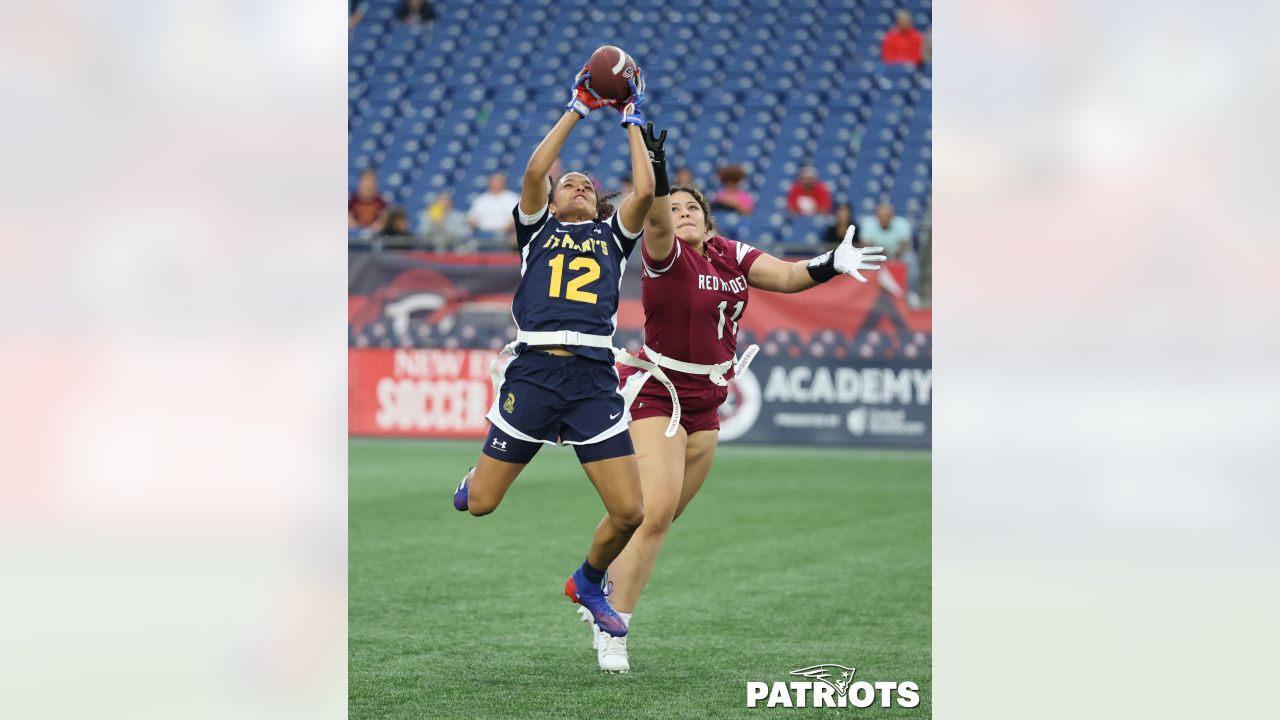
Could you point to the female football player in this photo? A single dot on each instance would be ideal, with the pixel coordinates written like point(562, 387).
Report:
point(562, 386)
point(695, 290)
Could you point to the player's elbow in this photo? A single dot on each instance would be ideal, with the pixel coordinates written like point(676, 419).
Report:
point(659, 241)
point(660, 229)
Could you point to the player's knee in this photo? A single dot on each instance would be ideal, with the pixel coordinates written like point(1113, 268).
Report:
point(657, 520)
point(629, 519)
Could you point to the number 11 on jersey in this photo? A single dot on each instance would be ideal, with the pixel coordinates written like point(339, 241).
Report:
point(737, 310)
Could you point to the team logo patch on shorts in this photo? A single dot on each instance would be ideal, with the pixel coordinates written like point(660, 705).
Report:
point(509, 406)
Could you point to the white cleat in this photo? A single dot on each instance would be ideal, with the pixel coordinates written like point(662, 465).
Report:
point(585, 615)
point(611, 652)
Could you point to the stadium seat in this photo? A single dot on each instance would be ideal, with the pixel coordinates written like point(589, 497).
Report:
point(444, 105)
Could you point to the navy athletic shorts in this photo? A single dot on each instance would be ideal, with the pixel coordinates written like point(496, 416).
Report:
point(552, 399)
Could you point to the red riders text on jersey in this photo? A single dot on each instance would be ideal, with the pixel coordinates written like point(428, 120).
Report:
point(692, 302)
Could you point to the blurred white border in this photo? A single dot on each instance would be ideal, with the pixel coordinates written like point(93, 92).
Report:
point(1107, 406)
point(173, 505)
point(172, 514)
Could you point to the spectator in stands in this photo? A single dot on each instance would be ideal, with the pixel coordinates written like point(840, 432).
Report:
point(732, 197)
point(808, 195)
point(627, 186)
point(355, 13)
point(415, 12)
point(444, 227)
point(684, 176)
point(396, 225)
point(894, 235)
point(490, 214)
point(835, 234)
point(365, 207)
point(903, 43)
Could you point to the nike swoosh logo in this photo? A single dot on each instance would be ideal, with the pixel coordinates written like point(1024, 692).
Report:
point(614, 416)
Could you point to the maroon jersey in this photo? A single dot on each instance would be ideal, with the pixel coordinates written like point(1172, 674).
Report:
point(366, 210)
point(692, 302)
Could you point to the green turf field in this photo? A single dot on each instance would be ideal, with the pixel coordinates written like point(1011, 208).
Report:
point(789, 557)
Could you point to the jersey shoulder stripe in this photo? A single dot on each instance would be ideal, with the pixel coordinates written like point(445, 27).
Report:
point(535, 219)
point(528, 226)
point(655, 272)
point(625, 241)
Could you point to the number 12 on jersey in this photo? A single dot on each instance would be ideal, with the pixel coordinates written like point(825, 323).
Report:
point(737, 310)
point(573, 291)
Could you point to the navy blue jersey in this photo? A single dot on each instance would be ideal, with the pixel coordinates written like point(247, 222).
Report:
point(570, 274)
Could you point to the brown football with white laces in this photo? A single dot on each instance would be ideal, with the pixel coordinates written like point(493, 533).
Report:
point(610, 69)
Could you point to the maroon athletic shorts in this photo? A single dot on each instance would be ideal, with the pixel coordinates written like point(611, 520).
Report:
point(699, 406)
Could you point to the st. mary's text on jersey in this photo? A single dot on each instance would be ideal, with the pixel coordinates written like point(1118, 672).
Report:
point(570, 276)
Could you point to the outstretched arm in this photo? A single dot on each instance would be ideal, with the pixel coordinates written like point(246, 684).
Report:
point(582, 100)
point(770, 273)
point(635, 207)
point(659, 228)
point(535, 187)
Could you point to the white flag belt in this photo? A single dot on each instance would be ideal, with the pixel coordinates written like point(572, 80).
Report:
point(568, 337)
point(563, 337)
point(716, 372)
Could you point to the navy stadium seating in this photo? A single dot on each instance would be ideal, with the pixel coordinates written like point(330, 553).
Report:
point(444, 105)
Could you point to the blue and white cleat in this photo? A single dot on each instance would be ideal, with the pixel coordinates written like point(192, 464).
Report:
point(460, 495)
point(591, 597)
point(611, 652)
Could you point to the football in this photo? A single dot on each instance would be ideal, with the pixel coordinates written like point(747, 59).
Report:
point(610, 69)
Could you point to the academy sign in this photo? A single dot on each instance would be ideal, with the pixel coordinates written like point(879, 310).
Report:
point(830, 402)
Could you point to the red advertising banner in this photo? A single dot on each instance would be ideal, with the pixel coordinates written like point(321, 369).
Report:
point(418, 393)
point(423, 329)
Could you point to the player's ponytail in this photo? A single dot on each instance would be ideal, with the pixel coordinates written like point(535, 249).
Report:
point(604, 208)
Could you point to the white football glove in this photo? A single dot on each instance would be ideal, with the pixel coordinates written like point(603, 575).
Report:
point(849, 259)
